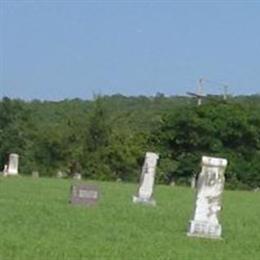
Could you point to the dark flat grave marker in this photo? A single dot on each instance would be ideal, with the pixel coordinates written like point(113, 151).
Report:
point(83, 194)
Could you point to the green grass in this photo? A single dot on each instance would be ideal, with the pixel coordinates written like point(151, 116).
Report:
point(37, 222)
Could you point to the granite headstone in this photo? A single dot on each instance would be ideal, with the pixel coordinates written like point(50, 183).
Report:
point(84, 194)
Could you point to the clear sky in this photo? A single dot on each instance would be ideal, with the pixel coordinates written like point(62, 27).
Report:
point(67, 49)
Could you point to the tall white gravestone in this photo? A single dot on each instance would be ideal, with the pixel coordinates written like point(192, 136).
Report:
point(13, 164)
point(145, 190)
point(210, 186)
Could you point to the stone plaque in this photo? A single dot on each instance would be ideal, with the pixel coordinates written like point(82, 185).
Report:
point(84, 194)
point(146, 186)
point(210, 185)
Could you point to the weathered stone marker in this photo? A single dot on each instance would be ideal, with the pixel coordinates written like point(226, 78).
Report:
point(193, 182)
point(13, 164)
point(5, 170)
point(77, 176)
point(84, 194)
point(210, 186)
point(145, 190)
point(60, 174)
point(35, 174)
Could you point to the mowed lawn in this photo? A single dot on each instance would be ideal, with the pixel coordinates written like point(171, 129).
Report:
point(37, 222)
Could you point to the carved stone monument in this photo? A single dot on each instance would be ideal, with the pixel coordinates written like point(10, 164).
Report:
point(210, 186)
point(84, 194)
point(13, 164)
point(145, 190)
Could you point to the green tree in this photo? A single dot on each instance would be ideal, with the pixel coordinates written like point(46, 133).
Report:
point(215, 129)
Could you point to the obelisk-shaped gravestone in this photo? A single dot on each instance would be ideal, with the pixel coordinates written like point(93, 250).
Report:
point(210, 185)
point(13, 164)
point(145, 190)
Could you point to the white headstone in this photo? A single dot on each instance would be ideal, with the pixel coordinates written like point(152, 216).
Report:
point(59, 174)
point(193, 182)
point(210, 186)
point(77, 176)
point(145, 191)
point(172, 183)
point(13, 164)
point(5, 171)
point(35, 174)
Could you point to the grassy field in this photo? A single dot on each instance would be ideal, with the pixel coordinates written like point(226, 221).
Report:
point(37, 222)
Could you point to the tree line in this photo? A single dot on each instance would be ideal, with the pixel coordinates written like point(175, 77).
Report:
point(106, 138)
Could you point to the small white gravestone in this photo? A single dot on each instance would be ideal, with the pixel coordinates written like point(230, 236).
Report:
point(172, 183)
point(145, 191)
point(193, 182)
point(35, 174)
point(59, 174)
point(12, 168)
point(5, 171)
point(210, 186)
point(77, 176)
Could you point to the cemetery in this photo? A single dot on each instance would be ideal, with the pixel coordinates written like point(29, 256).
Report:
point(129, 130)
point(131, 193)
point(185, 186)
point(82, 219)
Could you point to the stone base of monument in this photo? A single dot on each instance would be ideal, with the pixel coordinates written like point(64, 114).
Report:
point(205, 230)
point(150, 201)
point(8, 174)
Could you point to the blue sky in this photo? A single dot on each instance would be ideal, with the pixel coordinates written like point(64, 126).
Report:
point(66, 49)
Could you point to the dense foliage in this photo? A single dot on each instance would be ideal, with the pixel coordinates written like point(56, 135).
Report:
point(107, 138)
